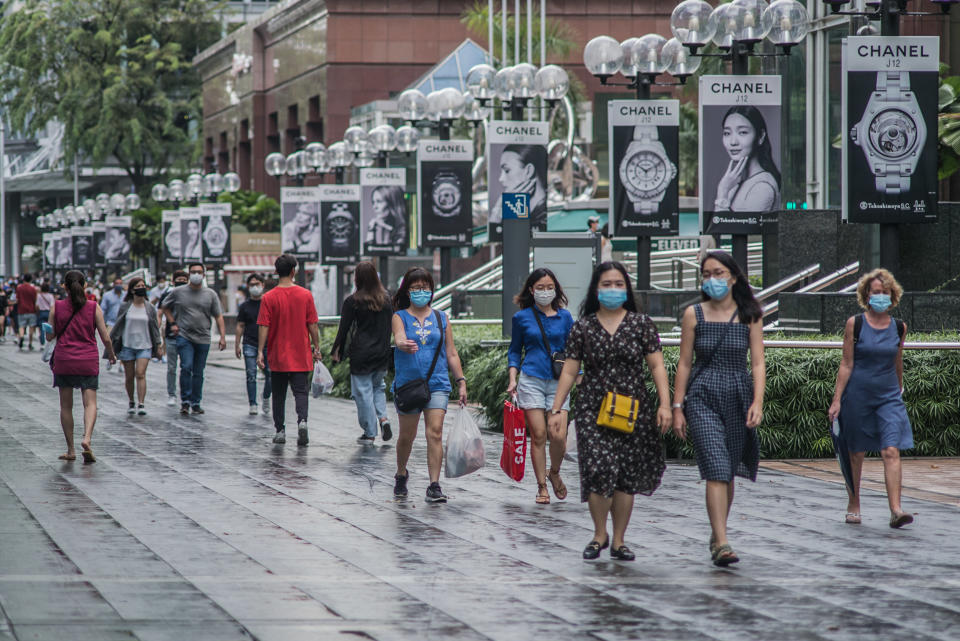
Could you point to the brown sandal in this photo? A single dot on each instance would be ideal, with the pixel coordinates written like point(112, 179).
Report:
point(67, 457)
point(559, 489)
point(543, 497)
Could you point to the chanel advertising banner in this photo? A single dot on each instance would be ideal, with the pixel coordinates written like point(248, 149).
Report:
point(300, 222)
point(81, 240)
point(118, 239)
point(47, 242)
point(339, 224)
point(644, 148)
point(99, 244)
point(445, 192)
point(191, 243)
point(890, 87)
point(739, 153)
point(64, 249)
point(215, 223)
point(384, 218)
point(517, 163)
point(170, 233)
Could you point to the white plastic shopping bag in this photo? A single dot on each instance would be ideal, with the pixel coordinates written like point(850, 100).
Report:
point(322, 380)
point(571, 453)
point(464, 447)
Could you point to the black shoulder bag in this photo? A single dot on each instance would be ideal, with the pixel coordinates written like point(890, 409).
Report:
point(556, 358)
point(713, 352)
point(414, 396)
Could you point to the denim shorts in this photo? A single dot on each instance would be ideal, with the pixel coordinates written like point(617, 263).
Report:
point(27, 320)
point(129, 354)
point(438, 401)
point(538, 393)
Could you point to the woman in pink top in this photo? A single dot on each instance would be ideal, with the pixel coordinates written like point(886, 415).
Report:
point(76, 361)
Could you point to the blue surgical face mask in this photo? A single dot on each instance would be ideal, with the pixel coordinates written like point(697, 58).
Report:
point(421, 298)
point(612, 298)
point(880, 302)
point(715, 288)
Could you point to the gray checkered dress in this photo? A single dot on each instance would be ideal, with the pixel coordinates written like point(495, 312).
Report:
point(716, 404)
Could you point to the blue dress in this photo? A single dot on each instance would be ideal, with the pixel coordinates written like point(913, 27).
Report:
point(410, 367)
point(872, 413)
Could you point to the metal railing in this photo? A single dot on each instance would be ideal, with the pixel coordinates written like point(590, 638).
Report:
point(815, 286)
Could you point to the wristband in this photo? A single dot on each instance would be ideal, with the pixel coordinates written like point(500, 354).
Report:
point(460, 379)
point(677, 406)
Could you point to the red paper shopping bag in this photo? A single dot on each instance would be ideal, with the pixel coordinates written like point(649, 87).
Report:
point(513, 458)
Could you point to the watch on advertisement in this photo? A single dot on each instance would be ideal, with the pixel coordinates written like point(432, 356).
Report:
point(645, 170)
point(446, 191)
point(340, 225)
point(891, 132)
point(216, 235)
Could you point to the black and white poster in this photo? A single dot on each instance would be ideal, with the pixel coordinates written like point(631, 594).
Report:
point(46, 240)
point(740, 137)
point(215, 230)
point(517, 164)
point(99, 244)
point(191, 235)
point(644, 150)
point(339, 224)
point(300, 222)
point(384, 219)
point(445, 193)
point(118, 239)
point(64, 249)
point(170, 234)
point(81, 238)
point(890, 89)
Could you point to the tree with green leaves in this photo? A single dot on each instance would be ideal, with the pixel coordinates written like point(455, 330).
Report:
point(116, 73)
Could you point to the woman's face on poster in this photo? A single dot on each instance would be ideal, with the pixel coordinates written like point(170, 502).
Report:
point(513, 171)
point(739, 137)
point(193, 230)
point(304, 216)
point(379, 203)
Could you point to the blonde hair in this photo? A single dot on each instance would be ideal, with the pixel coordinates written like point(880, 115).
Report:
point(886, 279)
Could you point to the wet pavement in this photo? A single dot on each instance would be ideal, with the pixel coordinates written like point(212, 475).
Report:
point(199, 528)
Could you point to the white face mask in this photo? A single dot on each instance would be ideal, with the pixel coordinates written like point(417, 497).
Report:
point(544, 297)
point(256, 290)
point(196, 279)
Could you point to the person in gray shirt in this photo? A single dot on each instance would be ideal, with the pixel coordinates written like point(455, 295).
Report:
point(189, 310)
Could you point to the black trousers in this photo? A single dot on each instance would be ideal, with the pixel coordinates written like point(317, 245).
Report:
point(298, 383)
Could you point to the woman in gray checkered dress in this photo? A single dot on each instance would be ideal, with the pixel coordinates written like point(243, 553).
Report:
point(723, 403)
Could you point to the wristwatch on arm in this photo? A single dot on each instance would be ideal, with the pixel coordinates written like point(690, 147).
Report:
point(645, 170)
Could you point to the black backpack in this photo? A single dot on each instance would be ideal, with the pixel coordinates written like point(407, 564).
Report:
point(858, 327)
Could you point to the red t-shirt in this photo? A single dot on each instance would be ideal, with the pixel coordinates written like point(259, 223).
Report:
point(26, 299)
point(287, 311)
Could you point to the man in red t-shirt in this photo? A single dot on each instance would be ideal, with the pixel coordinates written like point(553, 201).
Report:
point(287, 324)
point(27, 308)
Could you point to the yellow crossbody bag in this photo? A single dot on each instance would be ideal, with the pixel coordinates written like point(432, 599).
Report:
point(619, 412)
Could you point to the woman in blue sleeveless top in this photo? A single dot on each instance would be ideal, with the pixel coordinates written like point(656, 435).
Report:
point(417, 332)
point(868, 398)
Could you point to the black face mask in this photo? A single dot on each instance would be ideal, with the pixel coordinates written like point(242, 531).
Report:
point(140, 291)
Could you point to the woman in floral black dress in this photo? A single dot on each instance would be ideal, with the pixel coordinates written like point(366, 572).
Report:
point(611, 340)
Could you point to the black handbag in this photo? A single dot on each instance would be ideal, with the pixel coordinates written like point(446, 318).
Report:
point(556, 358)
point(414, 396)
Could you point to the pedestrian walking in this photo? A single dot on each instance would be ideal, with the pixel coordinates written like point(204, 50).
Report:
point(620, 453)
point(287, 326)
point(26, 310)
point(4, 310)
point(111, 301)
point(718, 400)
point(247, 340)
point(537, 345)
point(868, 399)
point(180, 279)
point(45, 301)
point(190, 312)
point(364, 338)
point(75, 362)
point(136, 335)
point(426, 354)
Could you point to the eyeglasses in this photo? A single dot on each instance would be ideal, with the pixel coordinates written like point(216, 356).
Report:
point(419, 289)
point(717, 273)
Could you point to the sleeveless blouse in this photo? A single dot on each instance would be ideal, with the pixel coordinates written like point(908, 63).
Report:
point(76, 351)
point(410, 367)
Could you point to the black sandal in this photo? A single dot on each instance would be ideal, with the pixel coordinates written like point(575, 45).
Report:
point(723, 555)
point(593, 548)
point(622, 553)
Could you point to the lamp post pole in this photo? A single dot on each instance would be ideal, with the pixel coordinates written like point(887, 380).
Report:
point(644, 83)
point(383, 264)
point(739, 66)
point(446, 253)
point(890, 232)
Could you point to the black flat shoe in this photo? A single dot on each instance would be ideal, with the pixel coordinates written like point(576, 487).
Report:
point(622, 553)
point(593, 548)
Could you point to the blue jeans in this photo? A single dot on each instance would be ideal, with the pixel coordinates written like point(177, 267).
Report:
point(369, 393)
point(250, 363)
point(172, 366)
point(193, 359)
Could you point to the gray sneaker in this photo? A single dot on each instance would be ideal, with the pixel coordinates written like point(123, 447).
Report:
point(435, 494)
point(266, 407)
point(280, 437)
point(302, 438)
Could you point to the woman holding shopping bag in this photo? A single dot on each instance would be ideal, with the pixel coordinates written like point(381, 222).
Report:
point(537, 344)
point(136, 335)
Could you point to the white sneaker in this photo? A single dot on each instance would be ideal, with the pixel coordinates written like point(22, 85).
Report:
point(254, 410)
point(172, 401)
point(266, 407)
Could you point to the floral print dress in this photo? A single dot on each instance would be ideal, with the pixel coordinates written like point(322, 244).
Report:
point(611, 460)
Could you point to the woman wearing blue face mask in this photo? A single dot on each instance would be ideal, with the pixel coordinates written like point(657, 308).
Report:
point(868, 399)
point(716, 397)
point(611, 341)
point(419, 333)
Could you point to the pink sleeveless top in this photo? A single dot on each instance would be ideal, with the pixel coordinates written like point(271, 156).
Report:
point(76, 352)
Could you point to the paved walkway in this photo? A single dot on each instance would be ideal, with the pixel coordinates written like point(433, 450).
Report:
point(199, 528)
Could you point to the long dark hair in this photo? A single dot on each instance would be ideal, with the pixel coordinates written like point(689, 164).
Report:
point(130, 287)
point(762, 151)
point(370, 293)
point(393, 195)
point(591, 303)
point(748, 307)
point(401, 300)
point(74, 282)
point(524, 299)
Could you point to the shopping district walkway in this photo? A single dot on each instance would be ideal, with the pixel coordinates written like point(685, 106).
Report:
point(199, 528)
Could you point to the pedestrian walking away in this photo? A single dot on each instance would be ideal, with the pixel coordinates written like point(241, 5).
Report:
point(45, 301)
point(537, 345)
point(180, 279)
point(110, 304)
point(136, 339)
point(247, 340)
point(364, 338)
point(424, 358)
point(26, 310)
point(868, 398)
point(620, 452)
point(190, 311)
point(287, 327)
point(716, 399)
point(75, 362)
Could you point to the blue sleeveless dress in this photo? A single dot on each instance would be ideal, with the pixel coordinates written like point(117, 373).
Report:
point(872, 413)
